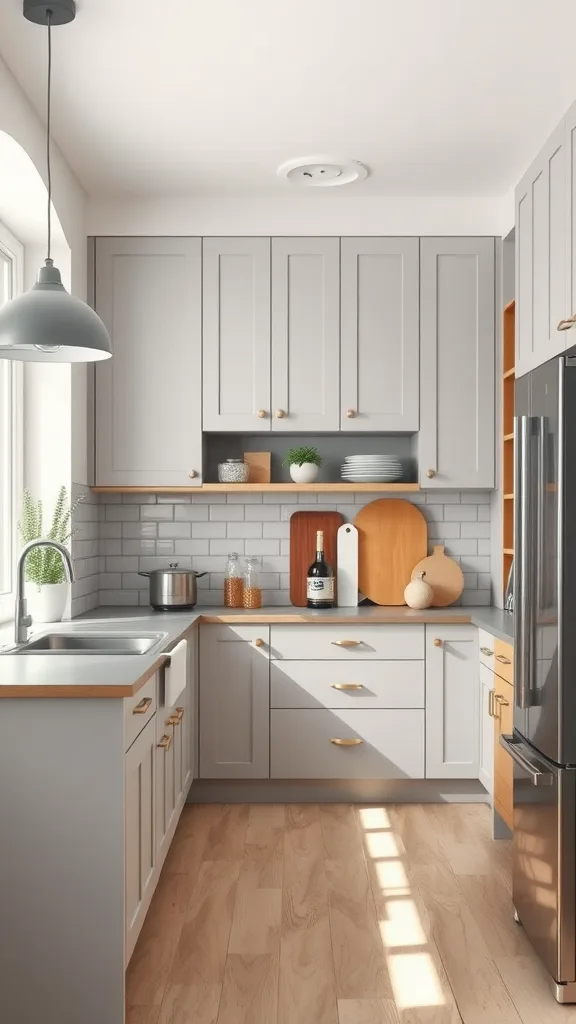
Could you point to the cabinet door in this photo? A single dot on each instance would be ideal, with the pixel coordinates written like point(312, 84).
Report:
point(380, 334)
point(540, 246)
point(236, 334)
point(570, 145)
point(503, 768)
point(148, 396)
point(486, 723)
point(139, 831)
point(168, 750)
point(452, 702)
point(456, 439)
point(305, 334)
point(234, 702)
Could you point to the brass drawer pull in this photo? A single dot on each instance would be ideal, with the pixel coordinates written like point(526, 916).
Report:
point(565, 325)
point(143, 706)
point(165, 743)
point(347, 686)
point(486, 651)
point(346, 643)
point(503, 660)
point(491, 703)
point(176, 717)
point(501, 701)
point(347, 743)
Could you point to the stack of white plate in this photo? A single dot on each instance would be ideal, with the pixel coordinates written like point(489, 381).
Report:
point(363, 469)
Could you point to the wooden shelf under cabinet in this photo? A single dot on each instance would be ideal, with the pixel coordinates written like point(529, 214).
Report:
point(343, 488)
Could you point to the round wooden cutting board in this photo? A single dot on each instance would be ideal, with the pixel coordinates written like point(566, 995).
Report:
point(444, 576)
point(392, 537)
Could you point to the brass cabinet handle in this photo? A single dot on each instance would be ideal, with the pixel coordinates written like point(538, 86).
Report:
point(280, 414)
point(192, 474)
point(503, 660)
point(491, 703)
point(165, 743)
point(565, 325)
point(347, 686)
point(351, 414)
point(430, 473)
point(346, 743)
point(261, 414)
point(437, 642)
point(501, 701)
point(143, 706)
point(346, 643)
point(486, 651)
point(176, 717)
point(259, 642)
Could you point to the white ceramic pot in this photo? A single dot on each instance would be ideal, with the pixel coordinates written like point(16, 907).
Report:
point(47, 602)
point(304, 474)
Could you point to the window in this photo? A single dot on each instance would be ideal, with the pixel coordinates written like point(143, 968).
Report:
point(11, 417)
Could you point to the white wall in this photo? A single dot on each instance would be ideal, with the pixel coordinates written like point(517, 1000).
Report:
point(312, 215)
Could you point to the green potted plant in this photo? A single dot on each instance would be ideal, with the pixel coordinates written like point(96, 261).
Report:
point(304, 463)
point(47, 588)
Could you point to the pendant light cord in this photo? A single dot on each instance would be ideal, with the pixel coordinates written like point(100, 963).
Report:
point(48, 130)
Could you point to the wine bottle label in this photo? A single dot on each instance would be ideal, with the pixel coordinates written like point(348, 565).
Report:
point(320, 588)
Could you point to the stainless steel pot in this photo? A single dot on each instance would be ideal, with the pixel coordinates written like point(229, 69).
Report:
point(172, 588)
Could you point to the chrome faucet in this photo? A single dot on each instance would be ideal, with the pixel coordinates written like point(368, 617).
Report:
point(22, 620)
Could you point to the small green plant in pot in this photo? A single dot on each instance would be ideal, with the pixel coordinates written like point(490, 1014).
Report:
point(304, 463)
point(47, 588)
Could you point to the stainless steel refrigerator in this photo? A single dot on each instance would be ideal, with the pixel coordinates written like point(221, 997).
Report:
point(543, 746)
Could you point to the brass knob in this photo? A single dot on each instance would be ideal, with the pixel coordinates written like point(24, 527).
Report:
point(437, 642)
point(351, 414)
point(259, 642)
point(280, 414)
point(430, 473)
point(192, 474)
point(165, 743)
point(261, 414)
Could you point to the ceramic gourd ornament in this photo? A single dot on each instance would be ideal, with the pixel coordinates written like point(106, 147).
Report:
point(418, 593)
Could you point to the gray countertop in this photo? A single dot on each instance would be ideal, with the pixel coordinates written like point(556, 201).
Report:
point(73, 675)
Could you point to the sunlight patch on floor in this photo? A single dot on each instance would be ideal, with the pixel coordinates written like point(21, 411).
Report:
point(392, 878)
point(402, 926)
point(374, 817)
point(414, 980)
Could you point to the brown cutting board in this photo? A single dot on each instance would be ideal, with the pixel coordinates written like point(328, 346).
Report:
point(392, 537)
point(444, 576)
point(303, 527)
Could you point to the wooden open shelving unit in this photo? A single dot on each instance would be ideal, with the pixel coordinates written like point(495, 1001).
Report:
point(341, 488)
point(508, 379)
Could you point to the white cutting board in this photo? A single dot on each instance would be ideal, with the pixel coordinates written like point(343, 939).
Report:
point(175, 673)
point(347, 562)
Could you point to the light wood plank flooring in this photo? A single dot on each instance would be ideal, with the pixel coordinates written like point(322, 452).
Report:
point(334, 914)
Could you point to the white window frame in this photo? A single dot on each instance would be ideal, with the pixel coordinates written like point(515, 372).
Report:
point(11, 441)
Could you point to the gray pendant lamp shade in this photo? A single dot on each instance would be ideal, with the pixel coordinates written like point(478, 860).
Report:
point(47, 324)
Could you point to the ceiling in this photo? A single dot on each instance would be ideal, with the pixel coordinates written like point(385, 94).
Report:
point(183, 97)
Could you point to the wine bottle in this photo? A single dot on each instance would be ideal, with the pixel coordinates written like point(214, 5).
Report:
point(320, 579)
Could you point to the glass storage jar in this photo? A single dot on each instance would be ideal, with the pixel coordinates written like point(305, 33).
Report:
point(252, 596)
point(234, 582)
point(233, 471)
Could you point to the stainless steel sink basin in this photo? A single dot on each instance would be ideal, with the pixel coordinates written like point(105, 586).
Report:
point(91, 643)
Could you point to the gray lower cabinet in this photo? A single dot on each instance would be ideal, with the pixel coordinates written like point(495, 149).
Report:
point(543, 202)
point(380, 334)
point(148, 429)
point(456, 443)
point(236, 334)
point(452, 702)
point(141, 850)
point(305, 334)
point(234, 702)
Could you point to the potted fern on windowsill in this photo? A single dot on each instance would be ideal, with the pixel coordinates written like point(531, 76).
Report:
point(47, 588)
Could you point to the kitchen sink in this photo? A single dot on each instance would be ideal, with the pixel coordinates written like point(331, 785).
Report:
point(91, 643)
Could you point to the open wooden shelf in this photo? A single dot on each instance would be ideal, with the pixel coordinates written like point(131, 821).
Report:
point(509, 373)
point(508, 497)
point(508, 551)
point(511, 305)
point(509, 437)
point(342, 488)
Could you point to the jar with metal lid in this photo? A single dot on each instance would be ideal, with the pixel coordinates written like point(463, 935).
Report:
point(234, 582)
point(252, 596)
point(233, 471)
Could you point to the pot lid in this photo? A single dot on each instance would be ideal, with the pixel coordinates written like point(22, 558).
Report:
point(172, 570)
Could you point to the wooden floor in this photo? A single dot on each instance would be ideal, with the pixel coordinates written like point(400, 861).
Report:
point(333, 914)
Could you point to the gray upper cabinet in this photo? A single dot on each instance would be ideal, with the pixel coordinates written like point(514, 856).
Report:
point(305, 334)
point(457, 362)
point(380, 334)
point(236, 334)
point(234, 702)
point(570, 145)
point(542, 275)
point(148, 396)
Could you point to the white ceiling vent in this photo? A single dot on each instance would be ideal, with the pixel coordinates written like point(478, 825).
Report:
point(322, 171)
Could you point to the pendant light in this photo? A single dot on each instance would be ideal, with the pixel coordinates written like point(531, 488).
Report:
point(47, 324)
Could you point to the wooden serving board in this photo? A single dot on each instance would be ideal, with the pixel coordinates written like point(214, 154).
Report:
point(303, 527)
point(347, 547)
point(392, 537)
point(444, 576)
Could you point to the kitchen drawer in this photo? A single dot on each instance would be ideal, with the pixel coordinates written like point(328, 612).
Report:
point(504, 660)
point(347, 643)
point(347, 684)
point(138, 710)
point(503, 768)
point(486, 648)
point(391, 747)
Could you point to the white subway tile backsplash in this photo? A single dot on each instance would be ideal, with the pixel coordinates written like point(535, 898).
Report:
point(110, 547)
point(191, 547)
point(149, 562)
point(122, 563)
point(141, 546)
point(156, 512)
point(276, 563)
point(471, 563)
point(281, 498)
point(216, 498)
point(246, 530)
point(115, 513)
point(263, 547)
point(276, 530)
point(139, 499)
point(210, 563)
point(174, 530)
point(475, 530)
point(443, 497)
point(263, 513)
point(116, 597)
point(165, 547)
point(307, 499)
point(475, 597)
point(475, 497)
point(484, 581)
point(484, 547)
point(469, 546)
point(109, 530)
point(191, 513)
point(173, 499)
point(348, 511)
point(225, 513)
point(243, 498)
point(442, 531)
point(484, 513)
point(208, 530)
point(130, 581)
point(223, 547)
point(139, 529)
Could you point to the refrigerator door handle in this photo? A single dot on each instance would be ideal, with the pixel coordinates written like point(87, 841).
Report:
point(530, 766)
point(525, 548)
